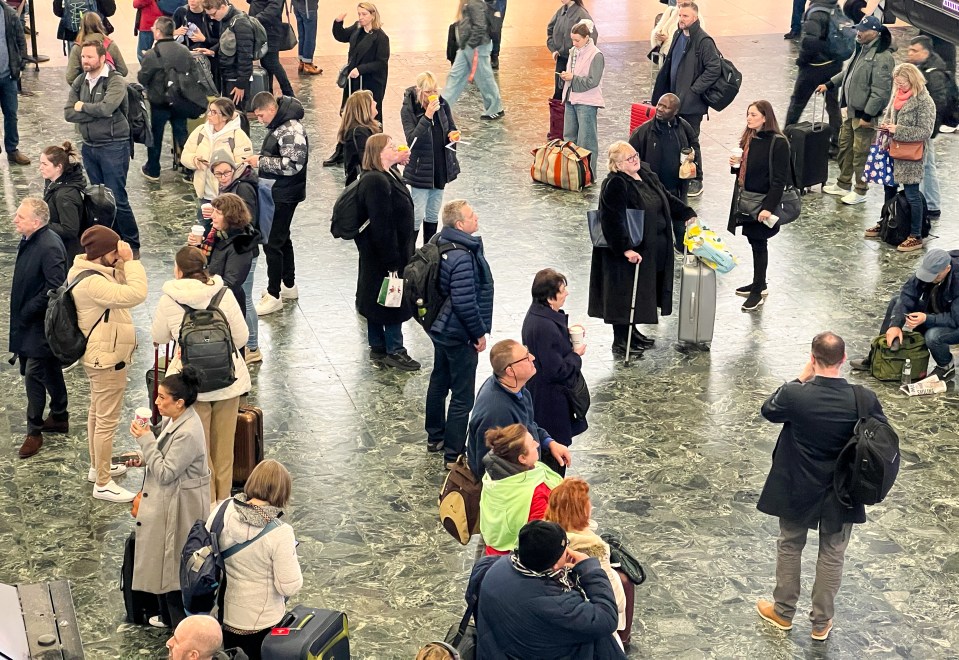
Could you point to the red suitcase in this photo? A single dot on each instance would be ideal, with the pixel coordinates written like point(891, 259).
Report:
point(247, 444)
point(557, 117)
point(630, 590)
point(639, 114)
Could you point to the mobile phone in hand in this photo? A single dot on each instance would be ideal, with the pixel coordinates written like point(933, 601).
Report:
point(123, 458)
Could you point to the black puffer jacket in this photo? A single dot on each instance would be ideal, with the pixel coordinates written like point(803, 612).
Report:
point(65, 199)
point(234, 51)
point(245, 183)
point(814, 46)
point(165, 55)
point(938, 84)
point(232, 258)
point(420, 172)
point(270, 14)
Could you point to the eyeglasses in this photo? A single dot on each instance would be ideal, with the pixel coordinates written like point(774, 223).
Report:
point(221, 175)
point(214, 113)
point(632, 159)
point(527, 357)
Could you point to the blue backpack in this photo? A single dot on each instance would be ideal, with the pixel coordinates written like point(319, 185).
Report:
point(841, 36)
point(203, 564)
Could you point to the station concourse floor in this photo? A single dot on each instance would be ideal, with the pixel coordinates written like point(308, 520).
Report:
point(676, 453)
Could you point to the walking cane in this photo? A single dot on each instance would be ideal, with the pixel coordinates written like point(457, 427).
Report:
point(632, 314)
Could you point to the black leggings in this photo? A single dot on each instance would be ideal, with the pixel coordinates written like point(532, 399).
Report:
point(251, 644)
point(271, 63)
point(760, 248)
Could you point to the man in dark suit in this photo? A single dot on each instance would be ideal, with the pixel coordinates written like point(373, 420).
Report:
point(818, 413)
point(41, 265)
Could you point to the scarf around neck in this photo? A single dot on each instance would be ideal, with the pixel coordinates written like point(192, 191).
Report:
point(564, 576)
point(901, 97)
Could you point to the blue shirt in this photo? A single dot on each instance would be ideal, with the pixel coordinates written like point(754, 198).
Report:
point(678, 48)
point(4, 53)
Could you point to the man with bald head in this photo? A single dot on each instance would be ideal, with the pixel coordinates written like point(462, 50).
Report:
point(198, 637)
point(659, 143)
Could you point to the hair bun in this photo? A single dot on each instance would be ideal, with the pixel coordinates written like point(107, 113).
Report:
point(192, 377)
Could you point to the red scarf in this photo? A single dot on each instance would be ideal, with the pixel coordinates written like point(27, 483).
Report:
point(901, 98)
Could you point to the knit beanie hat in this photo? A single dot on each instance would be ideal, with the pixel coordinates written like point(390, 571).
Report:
point(541, 544)
point(98, 241)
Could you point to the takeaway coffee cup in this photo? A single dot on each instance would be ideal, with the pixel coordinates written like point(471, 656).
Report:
point(577, 334)
point(737, 155)
point(197, 230)
point(142, 417)
point(206, 210)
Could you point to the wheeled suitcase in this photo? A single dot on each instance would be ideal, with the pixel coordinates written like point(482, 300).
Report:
point(557, 119)
point(697, 301)
point(630, 589)
point(247, 444)
point(258, 83)
point(139, 605)
point(639, 114)
point(307, 633)
point(809, 142)
point(154, 376)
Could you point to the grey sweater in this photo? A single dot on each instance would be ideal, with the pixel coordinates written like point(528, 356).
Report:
point(559, 27)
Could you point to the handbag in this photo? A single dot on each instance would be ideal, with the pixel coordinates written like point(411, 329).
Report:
point(879, 168)
point(910, 151)
point(391, 291)
point(635, 225)
point(561, 164)
point(288, 38)
point(622, 559)
point(578, 395)
point(749, 204)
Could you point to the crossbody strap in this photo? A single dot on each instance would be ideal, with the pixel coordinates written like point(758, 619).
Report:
point(233, 549)
point(859, 393)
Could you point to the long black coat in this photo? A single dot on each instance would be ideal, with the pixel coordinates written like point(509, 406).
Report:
point(419, 172)
point(546, 335)
point(649, 138)
point(65, 199)
point(41, 266)
point(385, 245)
point(232, 258)
point(370, 56)
point(698, 70)
point(759, 179)
point(818, 419)
point(354, 144)
point(611, 274)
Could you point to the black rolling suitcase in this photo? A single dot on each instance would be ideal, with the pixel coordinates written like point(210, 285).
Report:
point(810, 148)
point(139, 605)
point(307, 633)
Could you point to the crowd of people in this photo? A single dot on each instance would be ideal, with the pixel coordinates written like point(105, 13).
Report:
point(544, 560)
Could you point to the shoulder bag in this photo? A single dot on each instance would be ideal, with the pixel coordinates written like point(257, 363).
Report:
point(750, 204)
point(288, 40)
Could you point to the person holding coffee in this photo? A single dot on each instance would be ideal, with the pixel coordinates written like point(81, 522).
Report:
point(558, 363)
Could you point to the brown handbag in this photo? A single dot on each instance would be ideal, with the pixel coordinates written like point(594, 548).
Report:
point(911, 151)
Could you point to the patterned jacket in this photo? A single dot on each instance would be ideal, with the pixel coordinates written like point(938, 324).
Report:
point(285, 152)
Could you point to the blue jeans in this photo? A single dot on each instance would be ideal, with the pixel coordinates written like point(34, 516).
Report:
point(159, 116)
point(938, 341)
point(387, 338)
point(144, 42)
point(454, 373)
point(252, 323)
point(799, 8)
point(930, 177)
point(9, 104)
point(427, 203)
point(499, 36)
point(108, 164)
point(484, 79)
point(914, 197)
point(306, 35)
point(580, 126)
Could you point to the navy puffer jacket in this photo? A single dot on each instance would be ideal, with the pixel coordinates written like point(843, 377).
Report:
point(419, 173)
point(465, 277)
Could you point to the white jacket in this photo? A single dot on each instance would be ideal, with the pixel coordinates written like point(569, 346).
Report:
point(169, 316)
point(261, 576)
point(203, 143)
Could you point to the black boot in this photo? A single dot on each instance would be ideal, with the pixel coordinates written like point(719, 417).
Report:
point(336, 158)
point(642, 340)
point(429, 230)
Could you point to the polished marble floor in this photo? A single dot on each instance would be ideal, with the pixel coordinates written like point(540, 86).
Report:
point(676, 452)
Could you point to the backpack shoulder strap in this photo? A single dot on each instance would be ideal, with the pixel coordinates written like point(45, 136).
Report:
point(860, 394)
point(215, 301)
point(232, 550)
point(217, 527)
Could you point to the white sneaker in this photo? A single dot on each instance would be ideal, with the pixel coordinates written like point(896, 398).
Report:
point(947, 129)
point(253, 357)
point(115, 471)
point(112, 493)
point(289, 292)
point(853, 198)
point(157, 622)
point(835, 190)
point(268, 304)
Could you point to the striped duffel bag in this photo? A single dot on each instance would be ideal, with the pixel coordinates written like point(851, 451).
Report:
point(562, 164)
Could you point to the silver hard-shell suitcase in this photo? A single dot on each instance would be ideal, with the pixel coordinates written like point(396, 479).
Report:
point(697, 301)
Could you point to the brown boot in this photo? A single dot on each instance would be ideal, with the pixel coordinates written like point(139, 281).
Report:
point(299, 69)
point(51, 425)
point(31, 445)
point(18, 158)
point(310, 69)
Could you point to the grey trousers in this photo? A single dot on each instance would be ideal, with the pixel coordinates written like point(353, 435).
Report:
point(789, 547)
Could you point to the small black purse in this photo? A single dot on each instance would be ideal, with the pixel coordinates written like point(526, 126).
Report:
point(578, 396)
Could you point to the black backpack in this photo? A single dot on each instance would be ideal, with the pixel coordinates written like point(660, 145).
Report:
point(190, 91)
point(138, 116)
point(60, 324)
point(840, 35)
point(724, 91)
point(895, 220)
point(345, 222)
point(421, 281)
point(99, 207)
point(869, 463)
point(207, 344)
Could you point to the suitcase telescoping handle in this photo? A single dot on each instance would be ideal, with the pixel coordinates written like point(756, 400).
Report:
point(822, 109)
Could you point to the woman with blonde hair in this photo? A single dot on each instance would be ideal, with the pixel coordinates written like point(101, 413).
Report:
point(475, 45)
point(92, 29)
point(357, 124)
point(910, 117)
point(266, 572)
point(430, 129)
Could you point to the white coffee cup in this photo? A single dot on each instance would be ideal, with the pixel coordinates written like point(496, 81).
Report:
point(576, 334)
point(197, 230)
point(737, 153)
point(206, 210)
point(142, 417)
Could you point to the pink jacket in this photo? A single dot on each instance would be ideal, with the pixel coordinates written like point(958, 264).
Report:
point(587, 76)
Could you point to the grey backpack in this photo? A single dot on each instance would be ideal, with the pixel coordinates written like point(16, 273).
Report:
point(207, 344)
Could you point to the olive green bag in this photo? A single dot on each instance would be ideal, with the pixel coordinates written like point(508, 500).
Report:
point(886, 364)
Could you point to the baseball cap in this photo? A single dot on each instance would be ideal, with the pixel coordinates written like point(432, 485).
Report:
point(869, 23)
point(933, 263)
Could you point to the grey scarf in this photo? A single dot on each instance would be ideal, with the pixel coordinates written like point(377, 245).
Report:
point(564, 576)
point(253, 514)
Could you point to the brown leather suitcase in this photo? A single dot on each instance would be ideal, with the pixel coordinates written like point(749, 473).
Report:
point(247, 444)
point(630, 590)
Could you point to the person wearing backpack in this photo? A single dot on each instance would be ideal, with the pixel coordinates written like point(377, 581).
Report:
point(194, 289)
point(163, 61)
point(40, 266)
point(196, 30)
point(175, 492)
point(92, 29)
point(819, 413)
point(234, 51)
point(270, 15)
point(475, 45)
point(265, 574)
point(115, 285)
point(64, 183)
point(97, 104)
point(817, 65)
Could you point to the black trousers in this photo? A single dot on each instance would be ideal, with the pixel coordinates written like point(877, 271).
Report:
point(760, 248)
point(558, 83)
point(454, 374)
point(42, 376)
point(251, 644)
point(499, 35)
point(271, 64)
point(279, 249)
point(808, 79)
point(171, 608)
